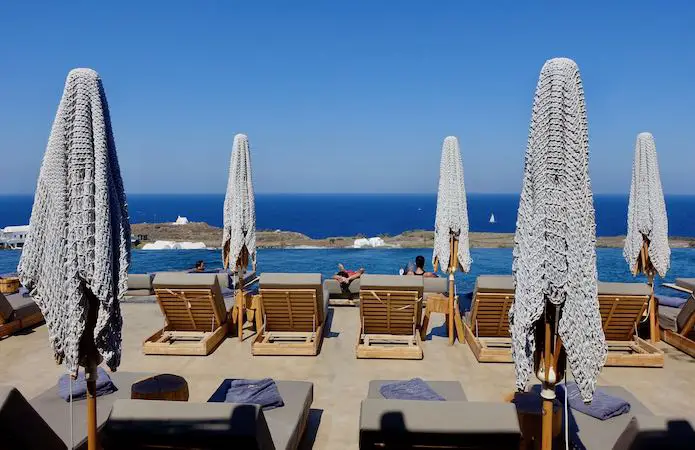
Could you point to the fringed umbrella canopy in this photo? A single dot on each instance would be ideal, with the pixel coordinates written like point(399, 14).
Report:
point(555, 240)
point(239, 235)
point(78, 246)
point(646, 214)
point(452, 211)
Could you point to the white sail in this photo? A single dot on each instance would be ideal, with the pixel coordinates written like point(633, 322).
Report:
point(492, 218)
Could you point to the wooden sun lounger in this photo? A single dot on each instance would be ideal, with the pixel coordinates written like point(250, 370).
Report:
point(390, 311)
point(17, 313)
point(622, 306)
point(294, 308)
point(678, 324)
point(196, 319)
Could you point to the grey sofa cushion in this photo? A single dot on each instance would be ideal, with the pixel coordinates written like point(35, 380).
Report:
point(392, 282)
point(23, 306)
point(686, 283)
point(142, 423)
point(436, 285)
point(450, 390)
point(645, 432)
point(609, 288)
point(687, 310)
point(139, 292)
point(21, 427)
point(55, 410)
point(286, 423)
point(667, 317)
point(494, 283)
point(408, 423)
point(139, 281)
point(297, 281)
point(6, 309)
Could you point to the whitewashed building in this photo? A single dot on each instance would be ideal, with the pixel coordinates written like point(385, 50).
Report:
point(13, 236)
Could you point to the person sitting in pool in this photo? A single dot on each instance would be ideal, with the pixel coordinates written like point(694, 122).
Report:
point(199, 266)
point(420, 268)
point(345, 277)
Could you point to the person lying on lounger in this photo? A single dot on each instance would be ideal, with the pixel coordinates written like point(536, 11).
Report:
point(420, 268)
point(345, 277)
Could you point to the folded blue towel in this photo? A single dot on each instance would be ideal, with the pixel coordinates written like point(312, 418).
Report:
point(79, 386)
point(415, 389)
point(667, 300)
point(24, 292)
point(602, 407)
point(257, 392)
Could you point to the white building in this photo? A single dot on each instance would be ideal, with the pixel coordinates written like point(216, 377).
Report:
point(13, 236)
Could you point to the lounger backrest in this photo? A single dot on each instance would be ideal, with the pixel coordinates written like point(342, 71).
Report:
point(622, 306)
point(190, 302)
point(21, 426)
point(163, 424)
point(686, 318)
point(292, 301)
point(6, 309)
point(492, 298)
point(390, 304)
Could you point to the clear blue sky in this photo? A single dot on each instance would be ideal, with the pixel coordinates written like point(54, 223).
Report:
point(352, 96)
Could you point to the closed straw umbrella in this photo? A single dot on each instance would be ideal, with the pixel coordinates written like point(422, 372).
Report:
point(555, 317)
point(239, 235)
point(451, 246)
point(646, 245)
point(76, 255)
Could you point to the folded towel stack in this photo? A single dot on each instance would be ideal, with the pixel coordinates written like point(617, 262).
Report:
point(79, 386)
point(602, 407)
point(674, 302)
point(414, 389)
point(262, 392)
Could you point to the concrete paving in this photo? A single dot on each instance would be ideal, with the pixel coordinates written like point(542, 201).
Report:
point(340, 380)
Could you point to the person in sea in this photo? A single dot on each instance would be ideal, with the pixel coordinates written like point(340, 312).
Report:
point(345, 277)
point(420, 268)
point(199, 266)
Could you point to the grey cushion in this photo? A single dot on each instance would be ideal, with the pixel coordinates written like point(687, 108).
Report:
point(436, 285)
point(23, 306)
point(687, 310)
point(408, 423)
point(594, 433)
point(6, 309)
point(139, 292)
point(686, 283)
point(650, 432)
point(607, 288)
point(450, 390)
point(392, 282)
point(285, 423)
point(142, 423)
point(223, 279)
point(55, 410)
point(297, 281)
point(494, 283)
point(138, 281)
point(667, 317)
point(21, 427)
point(184, 280)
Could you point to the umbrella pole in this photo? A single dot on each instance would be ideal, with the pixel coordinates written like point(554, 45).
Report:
point(91, 377)
point(648, 269)
point(240, 302)
point(452, 268)
point(549, 369)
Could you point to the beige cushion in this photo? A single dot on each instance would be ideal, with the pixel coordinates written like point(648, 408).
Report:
point(406, 423)
point(667, 317)
point(139, 281)
point(201, 425)
point(686, 283)
point(21, 427)
point(54, 410)
point(450, 390)
point(609, 288)
point(646, 432)
point(687, 310)
point(297, 281)
point(436, 285)
point(494, 283)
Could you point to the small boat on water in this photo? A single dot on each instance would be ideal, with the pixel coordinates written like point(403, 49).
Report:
point(492, 218)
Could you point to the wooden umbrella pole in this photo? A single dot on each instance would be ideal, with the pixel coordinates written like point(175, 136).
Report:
point(452, 268)
point(549, 371)
point(240, 301)
point(91, 378)
point(648, 269)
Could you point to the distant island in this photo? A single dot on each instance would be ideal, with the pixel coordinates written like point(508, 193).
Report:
point(212, 237)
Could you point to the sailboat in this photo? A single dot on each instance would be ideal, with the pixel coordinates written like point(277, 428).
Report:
point(492, 218)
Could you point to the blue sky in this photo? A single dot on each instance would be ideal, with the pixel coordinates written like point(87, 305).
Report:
point(347, 96)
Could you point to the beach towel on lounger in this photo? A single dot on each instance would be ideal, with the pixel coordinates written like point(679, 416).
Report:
point(414, 389)
point(602, 407)
point(257, 392)
point(79, 385)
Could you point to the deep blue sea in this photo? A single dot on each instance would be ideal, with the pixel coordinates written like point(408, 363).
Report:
point(325, 215)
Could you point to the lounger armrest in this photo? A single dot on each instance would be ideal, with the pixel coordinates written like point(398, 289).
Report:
point(647, 432)
point(142, 423)
point(401, 423)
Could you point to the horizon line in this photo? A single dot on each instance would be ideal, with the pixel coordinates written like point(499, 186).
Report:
point(22, 194)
